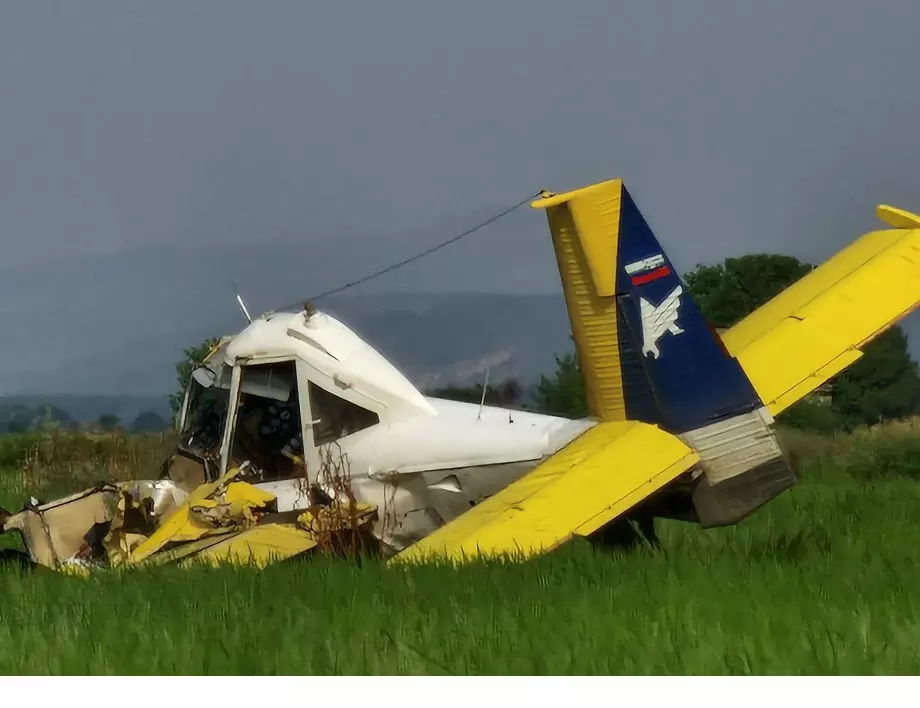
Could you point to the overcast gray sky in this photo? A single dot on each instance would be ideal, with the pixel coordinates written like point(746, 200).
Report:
point(129, 128)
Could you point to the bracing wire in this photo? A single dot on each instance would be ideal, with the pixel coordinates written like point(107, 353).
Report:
point(427, 252)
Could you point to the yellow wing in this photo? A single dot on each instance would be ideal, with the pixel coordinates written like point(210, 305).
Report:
point(595, 478)
point(609, 261)
point(818, 326)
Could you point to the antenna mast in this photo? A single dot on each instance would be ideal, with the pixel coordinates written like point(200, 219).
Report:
point(485, 386)
point(239, 301)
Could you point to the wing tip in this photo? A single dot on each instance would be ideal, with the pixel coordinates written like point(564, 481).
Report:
point(897, 218)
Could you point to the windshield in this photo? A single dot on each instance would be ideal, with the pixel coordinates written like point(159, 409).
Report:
point(208, 401)
point(204, 424)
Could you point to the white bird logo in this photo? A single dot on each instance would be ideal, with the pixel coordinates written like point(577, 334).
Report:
point(656, 321)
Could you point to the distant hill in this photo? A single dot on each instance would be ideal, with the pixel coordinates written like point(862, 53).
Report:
point(441, 339)
point(114, 325)
point(73, 410)
point(434, 339)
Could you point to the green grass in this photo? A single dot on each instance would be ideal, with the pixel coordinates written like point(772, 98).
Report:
point(822, 581)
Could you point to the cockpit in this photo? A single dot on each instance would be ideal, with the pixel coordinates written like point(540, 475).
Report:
point(260, 414)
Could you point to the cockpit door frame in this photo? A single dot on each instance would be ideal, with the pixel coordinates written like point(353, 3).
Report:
point(230, 425)
point(183, 409)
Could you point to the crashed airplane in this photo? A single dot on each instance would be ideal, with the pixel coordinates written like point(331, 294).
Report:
point(296, 434)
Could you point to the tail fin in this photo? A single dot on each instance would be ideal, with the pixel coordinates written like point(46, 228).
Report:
point(646, 351)
point(648, 354)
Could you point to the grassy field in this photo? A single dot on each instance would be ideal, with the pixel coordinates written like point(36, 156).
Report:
point(824, 580)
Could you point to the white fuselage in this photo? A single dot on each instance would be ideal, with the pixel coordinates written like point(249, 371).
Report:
point(422, 462)
point(423, 472)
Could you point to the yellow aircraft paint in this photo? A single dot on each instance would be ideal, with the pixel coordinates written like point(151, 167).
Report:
point(611, 467)
point(184, 525)
point(818, 326)
point(788, 347)
point(601, 474)
point(585, 231)
point(257, 546)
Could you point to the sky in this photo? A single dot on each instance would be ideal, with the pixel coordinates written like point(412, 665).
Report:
point(337, 137)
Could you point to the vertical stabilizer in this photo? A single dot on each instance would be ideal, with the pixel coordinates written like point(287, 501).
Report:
point(646, 351)
point(648, 354)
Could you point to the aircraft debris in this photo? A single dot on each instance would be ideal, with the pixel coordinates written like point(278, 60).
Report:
point(118, 525)
point(295, 435)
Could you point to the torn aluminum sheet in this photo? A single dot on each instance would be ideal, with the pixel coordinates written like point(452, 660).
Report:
point(65, 530)
point(216, 508)
point(257, 545)
point(228, 520)
point(263, 543)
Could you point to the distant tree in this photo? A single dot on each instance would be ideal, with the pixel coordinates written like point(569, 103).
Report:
point(192, 358)
point(883, 384)
point(563, 393)
point(42, 418)
point(18, 423)
point(505, 393)
point(49, 418)
point(108, 423)
point(149, 422)
point(727, 292)
point(815, 416)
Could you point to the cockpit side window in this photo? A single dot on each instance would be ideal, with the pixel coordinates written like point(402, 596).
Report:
point(335, 418)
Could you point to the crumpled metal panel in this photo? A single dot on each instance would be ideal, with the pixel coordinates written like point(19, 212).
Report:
point(227, 521)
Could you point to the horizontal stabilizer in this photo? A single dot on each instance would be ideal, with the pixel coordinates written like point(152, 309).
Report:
point(600, 475)
point(818, 326)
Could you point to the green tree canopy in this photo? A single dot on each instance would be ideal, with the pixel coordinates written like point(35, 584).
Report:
point(727, 292)
point(191, 359)
point(149, 422)
point(884, 384)
point(108, 423)
point(503, 393)
point(564, 392)
point(20, 418)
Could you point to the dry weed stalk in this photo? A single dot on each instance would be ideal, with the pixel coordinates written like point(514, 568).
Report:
point(302, 479)
point(800, 445)
point(390, 522)
point(339, 521)
point(67, 461)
